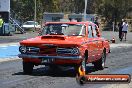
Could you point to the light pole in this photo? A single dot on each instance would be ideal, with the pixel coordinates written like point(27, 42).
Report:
point(34, 14)
point(85, 9)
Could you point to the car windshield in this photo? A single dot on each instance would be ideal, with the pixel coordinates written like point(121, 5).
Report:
point(30, 23)
point(64, 29)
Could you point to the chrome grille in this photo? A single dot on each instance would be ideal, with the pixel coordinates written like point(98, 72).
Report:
point(48, 50)
point(32, 49)
point(67, 51)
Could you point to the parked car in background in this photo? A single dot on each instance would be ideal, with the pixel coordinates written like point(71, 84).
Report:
point(31, 24)
point(65, 44)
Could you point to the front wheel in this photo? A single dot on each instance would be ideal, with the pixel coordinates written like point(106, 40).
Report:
point(81, 69)
point(27, 68)
point(100, 64)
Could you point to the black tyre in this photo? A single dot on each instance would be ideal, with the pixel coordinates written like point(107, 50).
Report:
point(27, 68)
point(76, 68)
point(82, 65)
point(100, 64)
point(84, 62)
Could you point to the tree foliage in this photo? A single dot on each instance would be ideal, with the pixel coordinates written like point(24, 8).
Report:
point(110, 9)
point(114, 9)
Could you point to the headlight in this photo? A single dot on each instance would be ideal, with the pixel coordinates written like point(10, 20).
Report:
point(22, 49)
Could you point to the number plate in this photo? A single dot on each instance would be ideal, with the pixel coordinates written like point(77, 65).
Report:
point(44, 60)
point(47, 60)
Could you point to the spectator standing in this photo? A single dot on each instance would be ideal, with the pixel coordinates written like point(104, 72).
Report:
point(120, 29)
point(96, 21)
point(124, 29)
point(1, 22)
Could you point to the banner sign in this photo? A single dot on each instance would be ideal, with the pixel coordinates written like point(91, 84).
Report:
point(4, 5)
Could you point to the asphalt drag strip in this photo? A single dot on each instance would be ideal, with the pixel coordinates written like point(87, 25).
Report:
point(118, 61)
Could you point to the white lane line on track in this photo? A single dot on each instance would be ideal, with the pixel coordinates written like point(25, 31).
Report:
point(13, 45)
point(3, 46)
point(9, 44)
point(9, 59)
point(120, 45)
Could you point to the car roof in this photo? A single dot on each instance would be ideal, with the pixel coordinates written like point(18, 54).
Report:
point(86, 22)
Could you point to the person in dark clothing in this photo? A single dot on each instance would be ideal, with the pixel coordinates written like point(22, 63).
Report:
point(120, 30)
point(96, 21)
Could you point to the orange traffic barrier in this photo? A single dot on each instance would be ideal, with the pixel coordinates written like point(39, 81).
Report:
point(113, 40)
point(81, 71)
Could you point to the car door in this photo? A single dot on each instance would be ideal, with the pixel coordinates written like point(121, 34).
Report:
point(98, 42)
point(91, 44)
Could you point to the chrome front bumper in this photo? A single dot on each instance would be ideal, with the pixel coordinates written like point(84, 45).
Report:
point(50, 57)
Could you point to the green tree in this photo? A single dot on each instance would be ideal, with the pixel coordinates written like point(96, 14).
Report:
point(113, 10)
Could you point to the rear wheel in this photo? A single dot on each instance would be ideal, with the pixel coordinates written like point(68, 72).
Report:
point(27, 68)
point(100, 64)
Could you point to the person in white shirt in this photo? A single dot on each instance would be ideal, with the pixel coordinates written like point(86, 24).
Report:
point(124, 29)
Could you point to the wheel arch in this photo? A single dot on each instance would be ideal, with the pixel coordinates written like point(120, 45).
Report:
point(104, 50)
point(86, 54)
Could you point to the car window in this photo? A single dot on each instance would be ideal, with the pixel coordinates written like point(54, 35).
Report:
point(94, 31)
point(90, 35)
point(83, 30)
point(65, 29)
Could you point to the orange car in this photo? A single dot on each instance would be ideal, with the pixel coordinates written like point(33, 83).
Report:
point(65, 44)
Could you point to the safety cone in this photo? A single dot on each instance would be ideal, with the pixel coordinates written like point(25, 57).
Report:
point(113, 40)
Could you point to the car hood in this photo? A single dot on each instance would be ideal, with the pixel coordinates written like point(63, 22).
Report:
point(54, 39)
